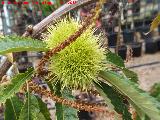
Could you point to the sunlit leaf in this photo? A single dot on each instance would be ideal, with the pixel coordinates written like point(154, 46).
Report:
point(16, 83)
point(154, 24)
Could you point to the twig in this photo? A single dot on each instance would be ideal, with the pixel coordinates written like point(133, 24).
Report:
point(75, 104)
point(41, 27)
point(119, 30)
point(5, 65)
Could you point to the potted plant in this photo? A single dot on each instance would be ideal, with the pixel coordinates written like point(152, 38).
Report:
point(126, 26)
point(122, 51)
point(112, 39)
point(138, 25)
point(128, 36)
point(136, 49)
point(158, 43)
point(151, 46)
point(22, 67)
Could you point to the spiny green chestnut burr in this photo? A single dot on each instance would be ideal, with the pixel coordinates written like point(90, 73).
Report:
point(78, 64)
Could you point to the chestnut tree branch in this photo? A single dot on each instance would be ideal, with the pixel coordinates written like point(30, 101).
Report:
point(41, 26)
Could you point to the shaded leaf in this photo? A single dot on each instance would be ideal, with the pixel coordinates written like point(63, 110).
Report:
point(114, 59)
point(11, 44)
point(142, 100)
point(130, 75)
point(15, 85)
point(69, 112)
point(64, 112)
point(43, 109)
point(13, 107)
point(31, 110)
point(117, 61)
point(155, 91)
point(116, 99)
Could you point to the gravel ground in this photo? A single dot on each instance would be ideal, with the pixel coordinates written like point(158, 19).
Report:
point(148, 74)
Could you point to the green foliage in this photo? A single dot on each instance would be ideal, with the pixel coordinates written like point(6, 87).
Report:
point(115, 60)
point(130, 75)
point(78, 64)
point(142, 100)
point(155, 91)
point(43, 109)
point(10, 44)
point(31, 110)
point(65, 112)
point(116, 99)
point(16, 83)
point(13, 107)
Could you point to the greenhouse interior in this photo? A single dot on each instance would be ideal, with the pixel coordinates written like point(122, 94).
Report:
point(79, 60)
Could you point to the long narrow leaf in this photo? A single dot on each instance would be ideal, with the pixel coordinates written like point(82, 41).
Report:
point(154, 24)
point(31, 110)
point(116, 99)
point(65, 112)
point(142, 100)
point(11, 44)
point(43, 109)
point(114, 59)
point(16, 83)
point(13, 107)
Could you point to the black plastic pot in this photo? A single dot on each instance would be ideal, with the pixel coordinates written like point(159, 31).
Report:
point(159, 29)
point(109, 29)
point(122, 51)
point(112, 39)
point(39, 55)
point(151, 47)
point(126, 26)
point(22, 67)
point(148, 21)
point(128, 36)
point(138, 25)
point(158, 43)
point(137, 49)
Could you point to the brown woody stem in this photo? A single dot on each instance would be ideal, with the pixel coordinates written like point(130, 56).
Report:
point(75, 104)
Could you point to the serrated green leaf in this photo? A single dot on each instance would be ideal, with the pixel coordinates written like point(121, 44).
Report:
point(11, 44)
point(69, 113)
point(15, 85)
point(64, 112)
point(43, 109)
point(155, 90)
point(117, 61)
point(116, 99)
point(13, 107)
point(140, 114)
point(114, 59)
point(31, 110)
point(130, 75)
point(142, 100)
